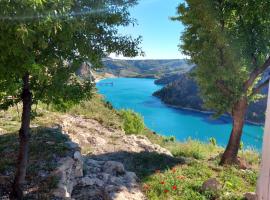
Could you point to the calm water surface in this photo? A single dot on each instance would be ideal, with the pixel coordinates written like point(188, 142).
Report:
point(136, 94)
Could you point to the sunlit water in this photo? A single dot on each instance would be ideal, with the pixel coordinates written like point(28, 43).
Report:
point(136, 94)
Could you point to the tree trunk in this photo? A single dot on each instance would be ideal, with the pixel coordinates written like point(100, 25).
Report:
point(24, 135)
point(238, 113)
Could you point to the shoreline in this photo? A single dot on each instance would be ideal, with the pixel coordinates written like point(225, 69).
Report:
point(208, 112)
point(180, 107)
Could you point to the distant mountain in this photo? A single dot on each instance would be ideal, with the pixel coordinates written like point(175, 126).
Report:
point(182, 91)
point(145, 68)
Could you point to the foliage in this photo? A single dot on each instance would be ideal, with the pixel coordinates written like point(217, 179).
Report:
point(97, 108)
point(227, 40)
point(169, 139)
point(46, 146)
point(185, 181)
point(133, 123)
point(50, 40)
point(213, 141)
point(200, 159)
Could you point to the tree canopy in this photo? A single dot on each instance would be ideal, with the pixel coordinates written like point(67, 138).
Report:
point(50, 39)
point(229, 42)
point(43, 43)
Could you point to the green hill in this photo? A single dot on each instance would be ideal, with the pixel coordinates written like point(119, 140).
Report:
point(145, 68)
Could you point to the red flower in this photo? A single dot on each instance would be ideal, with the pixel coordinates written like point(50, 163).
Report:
point(174, 187)
point(166, 191)
point(162, 182)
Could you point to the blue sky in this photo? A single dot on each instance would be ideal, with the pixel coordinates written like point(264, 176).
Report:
point(160, 34)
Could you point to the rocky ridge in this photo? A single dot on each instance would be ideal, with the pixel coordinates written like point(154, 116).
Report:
point(99, 174)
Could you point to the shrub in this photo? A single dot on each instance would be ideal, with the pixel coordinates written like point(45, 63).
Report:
point(169, 139)
point(213, 141)
point(133, 122)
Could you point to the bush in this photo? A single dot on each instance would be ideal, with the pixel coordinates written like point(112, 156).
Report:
point(133, 122)
point(169, 139)
point(213, 141)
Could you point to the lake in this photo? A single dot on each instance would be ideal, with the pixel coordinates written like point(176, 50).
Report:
point(136, 94)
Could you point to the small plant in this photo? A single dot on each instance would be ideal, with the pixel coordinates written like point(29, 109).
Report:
point(133, 122)
point(241, 147)
point(169, 139)
point(108, 105)
point(213, 141)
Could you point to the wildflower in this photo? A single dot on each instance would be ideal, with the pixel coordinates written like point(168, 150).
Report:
point(173, 170)
point(146, 187)
point(181, 177)
point(162, 182)
point(166, 191)
point(174, 187)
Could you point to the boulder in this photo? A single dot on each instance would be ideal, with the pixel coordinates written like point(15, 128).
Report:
point(211, 184)
point(243, 164)
point(78, 164)
point(69, 169)
point(250, 196)
point(73, 145)
point(114, 168)
point(87, 181)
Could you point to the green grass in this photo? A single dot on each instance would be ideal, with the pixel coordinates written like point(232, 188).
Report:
point(100, 110)
point(162, 177)
point(184, 181)
point(46, 146)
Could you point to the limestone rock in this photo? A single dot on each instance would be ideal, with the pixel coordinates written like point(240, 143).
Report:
point(114, 168)
point(73, 145)
point(87, 181)
point(211, 184)
point(250, 196)
point(96, 141)
point(67, 174)
point(243, 164)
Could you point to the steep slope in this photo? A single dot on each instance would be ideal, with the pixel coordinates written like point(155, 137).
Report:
point(182, 91)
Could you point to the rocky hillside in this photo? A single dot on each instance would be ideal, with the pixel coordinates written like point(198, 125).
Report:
point(182, 91)
point(87, 153)
point(144, 68)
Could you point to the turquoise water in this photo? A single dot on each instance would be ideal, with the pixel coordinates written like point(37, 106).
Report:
point(136, 94)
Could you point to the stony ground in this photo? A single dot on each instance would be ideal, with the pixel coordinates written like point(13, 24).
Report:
point(106, 155)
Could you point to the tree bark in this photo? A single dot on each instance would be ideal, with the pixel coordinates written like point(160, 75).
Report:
point(24, 135)
point(238, 113)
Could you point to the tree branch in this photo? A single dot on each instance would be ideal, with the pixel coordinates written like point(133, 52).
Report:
point(255, 73)
point(226, 91)
point(260, 87)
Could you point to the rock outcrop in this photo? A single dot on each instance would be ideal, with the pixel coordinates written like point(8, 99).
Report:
point(102, 173)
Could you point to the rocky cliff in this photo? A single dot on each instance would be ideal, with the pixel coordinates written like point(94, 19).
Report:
point(182, 91)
